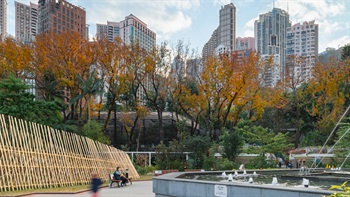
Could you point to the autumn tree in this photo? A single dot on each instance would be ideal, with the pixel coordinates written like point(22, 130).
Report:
point(110, 62)
point(135, 61)
point(63, 57)
point(16, 59)
point(227, 84)
point(329, 91)
point(155, 84)
point(293, 94)
point(183, 89)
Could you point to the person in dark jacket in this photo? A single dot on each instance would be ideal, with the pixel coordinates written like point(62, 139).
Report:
point(95, 183)
point(120, 176)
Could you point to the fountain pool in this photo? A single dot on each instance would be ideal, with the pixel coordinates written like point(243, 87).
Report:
point(287, 183)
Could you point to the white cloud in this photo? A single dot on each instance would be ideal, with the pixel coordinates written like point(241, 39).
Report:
point(303, 10)
point(249, 27)
point(163, 17)
point(336, 43)
point(328, 27)
point(221, 2)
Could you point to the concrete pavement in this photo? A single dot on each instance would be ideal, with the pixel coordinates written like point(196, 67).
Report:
point(137, 189)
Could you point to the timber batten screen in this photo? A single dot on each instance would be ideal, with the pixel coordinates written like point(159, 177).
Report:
point(34, 156)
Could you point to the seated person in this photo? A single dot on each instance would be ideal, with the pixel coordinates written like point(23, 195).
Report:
point(119, 176)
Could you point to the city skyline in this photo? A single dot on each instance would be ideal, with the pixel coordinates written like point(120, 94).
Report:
point(174, 20)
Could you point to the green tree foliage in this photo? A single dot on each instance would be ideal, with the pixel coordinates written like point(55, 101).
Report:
point(93, 130)
point(232, 142)
point(343, 137)
point(265, 140)
point(199, 146)
point(17, 102)
point(345, 52)
point(170, 157)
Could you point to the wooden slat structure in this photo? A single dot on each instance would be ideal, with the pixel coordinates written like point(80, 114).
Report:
point(34, 156)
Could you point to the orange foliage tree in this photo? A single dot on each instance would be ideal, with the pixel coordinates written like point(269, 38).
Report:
point(113, 71)
point(16, 59)
point(329, 90)
point(230, 86)
point(154, 82)
point(63, 58)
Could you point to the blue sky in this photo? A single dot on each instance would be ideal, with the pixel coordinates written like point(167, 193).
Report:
point(195, 20)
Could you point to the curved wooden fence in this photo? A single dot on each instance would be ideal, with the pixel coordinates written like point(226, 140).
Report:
point(34, 156)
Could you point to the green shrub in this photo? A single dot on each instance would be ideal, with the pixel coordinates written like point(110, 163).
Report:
point(151, 169)
point(208, 163)
point(225, 164)
point(141, 170)
point(260, 162)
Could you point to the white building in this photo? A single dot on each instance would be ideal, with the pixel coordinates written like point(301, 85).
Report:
point(131, 29)
point(3, 19)
point(26, 23)
point(109, 30)
point(225, 34)
point(270, 36)
point(302, 42)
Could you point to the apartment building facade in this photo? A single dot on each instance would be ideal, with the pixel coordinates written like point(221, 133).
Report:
point(3, 19)
point(225, 34)
point(59, 15)
point(131, 29)
point(110, 30)
point(26, 25)
point(270, 32)
point(302, 43)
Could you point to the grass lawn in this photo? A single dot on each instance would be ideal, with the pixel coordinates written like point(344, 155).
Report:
point(72, 189)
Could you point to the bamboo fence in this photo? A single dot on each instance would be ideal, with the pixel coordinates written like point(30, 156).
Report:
point(34, 156)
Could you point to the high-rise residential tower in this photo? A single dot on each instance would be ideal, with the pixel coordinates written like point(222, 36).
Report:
point(3, 19)
point(26, 21)
point(131, 29)
point(302, 42)
point(225, 34)
point(59, 16)
point(270, 40)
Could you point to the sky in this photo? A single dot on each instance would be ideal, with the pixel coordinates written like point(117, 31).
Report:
point(193, 21)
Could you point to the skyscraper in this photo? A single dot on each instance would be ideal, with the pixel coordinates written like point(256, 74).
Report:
point(225, 34)
point(26, 21)
point(302, 42)
point(3, 19)
point(131, 29)
point(270, 40)
point(59, 16)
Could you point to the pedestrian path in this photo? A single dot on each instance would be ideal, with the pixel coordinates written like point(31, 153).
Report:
point(137, 189)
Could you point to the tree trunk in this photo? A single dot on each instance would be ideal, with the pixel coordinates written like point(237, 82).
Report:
point(160, 125)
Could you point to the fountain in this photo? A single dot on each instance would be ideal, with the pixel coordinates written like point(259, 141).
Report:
point(224, 174)
point(311, 182)
point(230, 178)
point(274, 181)
point(250, 180)
point(306, 182)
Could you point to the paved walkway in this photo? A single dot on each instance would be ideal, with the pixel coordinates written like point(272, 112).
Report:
point(137, 189)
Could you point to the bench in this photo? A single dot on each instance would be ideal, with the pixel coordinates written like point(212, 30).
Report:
point(112, 180)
